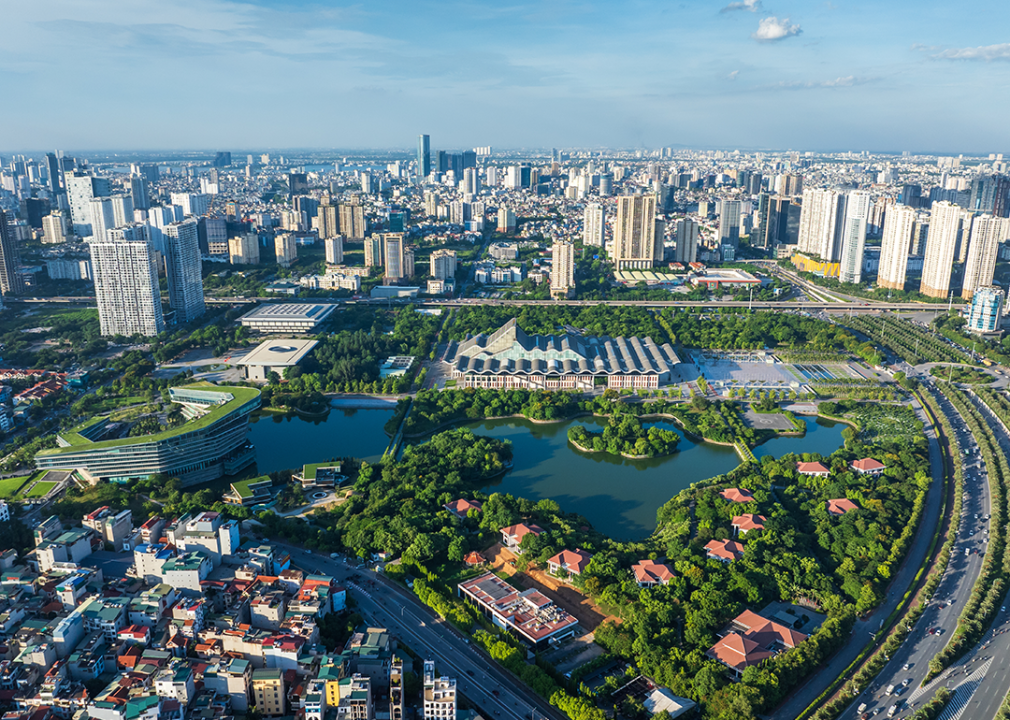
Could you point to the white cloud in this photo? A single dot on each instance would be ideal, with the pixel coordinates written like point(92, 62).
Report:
point(748, 5)
point(771, 29)
point(732, 75)
point(839, 82)
point(987, 53)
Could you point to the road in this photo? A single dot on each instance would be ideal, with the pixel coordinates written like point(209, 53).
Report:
point(911, 662)
point(866, 627)
point(383, 604)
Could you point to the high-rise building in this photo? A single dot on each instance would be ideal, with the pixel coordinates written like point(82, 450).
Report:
point(562, 269)
point(244, 249)
point(431, 204)
point(11, 280)
point(729, 223)
point(635, 244)
point(393, 250)
point(126, 282)
point(298, 184)
point(334, 249)
point(375, 248)
point(946, 225)
point(151, 173)
point(103, 217)
point(140, 193)
point(506, 221)
point(442, 264)
point(853, 240)
point(772, 221)
point(192, 203)
point(821, 219)
point(687, 241)
point(987, 235)
point(184, 268)
point(423, 157)
point(896, 246)
point(222, 159)
point(54, 228)
point(80, 193)
point(439, 695)
point(55, 170)
point(352, 221)
point(984, 311)
point(285, 249)
point(122, 210)
point(593, 225)
point(328, 221)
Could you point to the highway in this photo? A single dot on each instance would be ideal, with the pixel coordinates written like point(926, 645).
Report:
point(384, 604)
point(911, 662)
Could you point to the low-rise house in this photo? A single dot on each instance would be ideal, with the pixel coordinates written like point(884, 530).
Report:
point(461, 507)
point(812, 468)
point(868, 466)
point(725, 551)
point(573, 562)
point(649, 573)
point(513, 535)
point(737, 495)
point(751, 639)
point(743, 524)
point(840, 506)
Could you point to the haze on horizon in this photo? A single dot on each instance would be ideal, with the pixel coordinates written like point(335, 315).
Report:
point(747, 74)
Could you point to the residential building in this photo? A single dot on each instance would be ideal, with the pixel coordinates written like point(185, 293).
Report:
point(572, 562)
point(814, 469)
point(896, 246)
point(355, 698)
point(11, 280)
point(506, 221)
point(352, 221)
point(285, 249)
point(987, 236)
point(649, 573)
point(687, 241)
point(442, 264)
point(439, 695)
point(725, 551)
point(743, 524)
point(54, 228)
point(984, 312)
point(331, 281)
point(737, 495)
point(840, 506)
point(192, 203)
point(334, 245)
point(396, 693)
point(563, 269)
point(69, 546)
point(946, 226)
point(111, 526)
point(207, 532)
point(186, 572)
point(269, 691)
point(752, 639)
point(853, 238)
point(185, 271)
point(635, 244)
point(126, 283)
point(69, 269)
point(821, 219)
point(244, 249)
point(594, 226)
point(80, 192)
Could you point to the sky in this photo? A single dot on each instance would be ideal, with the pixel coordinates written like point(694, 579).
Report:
point(728, 74)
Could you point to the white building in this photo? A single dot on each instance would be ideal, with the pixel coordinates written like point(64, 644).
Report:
point(244, 249)
point(853, 240)
point(54, 228)
point(285, 249)
point(442, 264)
point(80, 192)
point(185, 572)
point(562, 269)
point(334, 248)
point(185, 270)
point(68, 269)
point(987, 235)
point(103, 217)
point(122, 210)
point(593, 225)
point(439, 695)
point(895, 247)
point(820, 218)
point(945, 229)
point(126, 283)
point(331, 281)
point(192, 203)
point(286, 317)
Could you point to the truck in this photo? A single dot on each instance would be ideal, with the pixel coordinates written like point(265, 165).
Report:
point(861, 708)
point(891, 710)
point(890, 690)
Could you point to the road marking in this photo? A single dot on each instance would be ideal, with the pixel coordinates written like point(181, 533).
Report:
point(964, 692)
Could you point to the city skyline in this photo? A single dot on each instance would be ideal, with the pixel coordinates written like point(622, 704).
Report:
point(748, 75)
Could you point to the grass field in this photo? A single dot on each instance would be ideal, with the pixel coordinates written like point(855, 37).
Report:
point(9, 487)
point(109, 404)
point(41, 489)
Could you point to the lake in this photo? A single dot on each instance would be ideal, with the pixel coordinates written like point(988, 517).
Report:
point(619, 496)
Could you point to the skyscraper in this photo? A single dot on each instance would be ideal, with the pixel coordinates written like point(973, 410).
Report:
point(103, 217)
point(853, 240)
point(298, 184)
point(54, 228)
point(562, 269)
point(122, 210)
point(821, 220)
point(334, 249)
point(126, 282)
point(635, 232)
point(593, 225)
point(55, 170)
point(772, 221)
point(987, 234)
point(352, 221)
point(393, 250)
point(139, 191)
point(729, 223)
point(687, 241)
point(327, 217)
point(374, 251)
point(423, 157)
point(506, 221)
point(79, 195)
point(285, 249)
point(185, 271)
point(945, 228)
point(244, 249)
point(11, 281)
point(899, 226)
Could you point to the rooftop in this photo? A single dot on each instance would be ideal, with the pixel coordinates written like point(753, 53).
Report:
point(284, 312)
point(277, 352)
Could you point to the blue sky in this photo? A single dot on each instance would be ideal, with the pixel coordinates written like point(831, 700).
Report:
point(751, 74)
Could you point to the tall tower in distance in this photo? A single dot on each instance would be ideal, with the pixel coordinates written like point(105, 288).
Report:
point(563, 269)
point(423, 158)
point(635, 232)
point(126, 282)
point(945, 228)
point(593, 225)
point(185, 270)
point(896, 246)
point(11, 282)
point(987, 235)
point(853, 240)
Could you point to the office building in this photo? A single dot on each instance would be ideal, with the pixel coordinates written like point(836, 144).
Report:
point(687, 241)
point(528, 615)
point(286, 317)
point(987, 235)
point(635, 244)
point(185, 271)
point(442, 264)
point(352, 221)
point(11, 280)
point(334, 249)
point(244, 249)
point(285, 249)
point(853, 240)
point(945, 229)
point(593, 226)
point(375, 251)
point(439, 695)
point(423, 157)
point(896, 246)
point(772, 221)
point(729, 223)
point(984, 311)
point(328, 221)
point(126, 282)
point(55, 172)
point(563, 269)
point(393, 254)
point(102, 216)
point(54, 228)
point(298, 184)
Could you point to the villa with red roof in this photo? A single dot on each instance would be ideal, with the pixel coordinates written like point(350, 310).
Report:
point(840, 506)
point(725, 551)
point(752, 639)
point(649, 573)
point(573, 562)
point(737, 495)
point(742, 524)
point(868, 466)
point(812, 468)
point(512, 535)
point(461, 507)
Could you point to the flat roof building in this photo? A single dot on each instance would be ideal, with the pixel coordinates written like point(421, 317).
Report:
point(529, 614)
point(275, 355)
point(287, 317)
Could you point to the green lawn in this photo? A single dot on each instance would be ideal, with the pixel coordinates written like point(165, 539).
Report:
point(108, 404)
point(41, 489)
point(9, 487)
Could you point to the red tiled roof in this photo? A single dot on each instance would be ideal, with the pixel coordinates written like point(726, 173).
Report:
point(572, 560)
point(749, 522)
point(867, 465)
point(650, 571)
point(725, 549)
point(811, 468)
point(737, 495)
point(840, 506)
point(461, 507)
point(521, 530)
